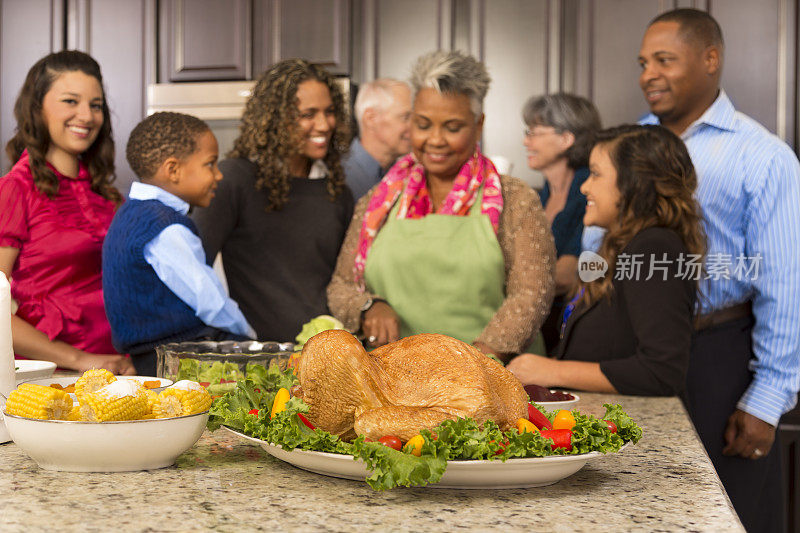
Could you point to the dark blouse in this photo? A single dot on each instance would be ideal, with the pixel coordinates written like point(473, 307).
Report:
point(278, 263)
point(567, 226)
point(641, 335)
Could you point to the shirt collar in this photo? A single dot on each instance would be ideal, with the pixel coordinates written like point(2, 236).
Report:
point(721, 115)
point(318, 170)
point(145, 191)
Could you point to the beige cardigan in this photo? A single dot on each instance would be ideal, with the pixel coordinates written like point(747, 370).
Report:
point(529, 252)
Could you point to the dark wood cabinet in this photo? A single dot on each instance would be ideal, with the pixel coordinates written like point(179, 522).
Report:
point(316, 30)
point(202, 40)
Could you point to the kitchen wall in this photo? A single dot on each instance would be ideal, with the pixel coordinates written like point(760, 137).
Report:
point(530, 46)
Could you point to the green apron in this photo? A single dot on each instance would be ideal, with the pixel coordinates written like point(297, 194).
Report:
point(440, 273)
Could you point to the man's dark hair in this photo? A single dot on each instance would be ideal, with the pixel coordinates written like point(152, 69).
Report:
point(696, 27)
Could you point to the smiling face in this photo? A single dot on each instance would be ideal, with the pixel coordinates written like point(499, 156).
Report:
point(73, 112)
point(443, 132)
point(679, 79)
point(197, 174)
point(600, 189)
point(316, 121)
point(545, 146)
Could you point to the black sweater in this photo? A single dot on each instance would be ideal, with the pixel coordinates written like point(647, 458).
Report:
point(641, 335)
point(278, 263)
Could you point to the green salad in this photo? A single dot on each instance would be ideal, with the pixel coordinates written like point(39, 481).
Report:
point(247, 409)
point(217, 377)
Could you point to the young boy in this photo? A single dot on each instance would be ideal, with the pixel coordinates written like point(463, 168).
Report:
point(157, 285)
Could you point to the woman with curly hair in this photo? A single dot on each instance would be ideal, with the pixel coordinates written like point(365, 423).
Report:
point(56, 205)
point(630, 330)
point(280, 213)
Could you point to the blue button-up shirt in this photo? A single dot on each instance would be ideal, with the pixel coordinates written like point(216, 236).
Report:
point(176, 254)
point(749, 192)
point(361, 170)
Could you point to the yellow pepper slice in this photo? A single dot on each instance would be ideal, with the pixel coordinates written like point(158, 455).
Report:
point(524, 425)
point(563, 420)
point(414, 444)
point(279, 404)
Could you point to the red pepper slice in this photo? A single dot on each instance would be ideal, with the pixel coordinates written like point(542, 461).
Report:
point(305, 421)
point(205, 384)
point(253, 412)
point(538, 419)
point(502, 446)
point(562, 438)
point(611, 425)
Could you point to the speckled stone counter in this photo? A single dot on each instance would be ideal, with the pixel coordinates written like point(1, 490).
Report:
point(665, 483)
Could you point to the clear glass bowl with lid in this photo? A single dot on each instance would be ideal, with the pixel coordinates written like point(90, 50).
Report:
point(218, 365)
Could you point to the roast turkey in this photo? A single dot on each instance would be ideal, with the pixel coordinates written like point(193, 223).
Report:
point(403, 387)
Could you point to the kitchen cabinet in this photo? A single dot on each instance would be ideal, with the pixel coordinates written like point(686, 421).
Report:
point(205, 40)
point(309, 29)
point(202, 40)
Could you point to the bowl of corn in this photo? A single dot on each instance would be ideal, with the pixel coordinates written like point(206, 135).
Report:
point(113, 426)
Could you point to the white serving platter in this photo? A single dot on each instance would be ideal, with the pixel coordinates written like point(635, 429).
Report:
point(514, 473)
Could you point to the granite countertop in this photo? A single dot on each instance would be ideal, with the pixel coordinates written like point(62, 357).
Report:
point(665, 483)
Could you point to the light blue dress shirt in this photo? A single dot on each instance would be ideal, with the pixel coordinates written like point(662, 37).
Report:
point(749, 192)
point(176, 254)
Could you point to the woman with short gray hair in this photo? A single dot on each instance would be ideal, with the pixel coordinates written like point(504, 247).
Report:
point(558, 138)
point(443, 244)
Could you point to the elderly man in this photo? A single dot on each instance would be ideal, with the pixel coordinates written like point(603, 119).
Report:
point(383, 112)
point(744, 370)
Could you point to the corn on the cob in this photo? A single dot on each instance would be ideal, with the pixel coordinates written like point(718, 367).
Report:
point(120, 400)
point(37, 401)
point(75, 414)
point(183, 398)
point(92, 381)
point(152, 400)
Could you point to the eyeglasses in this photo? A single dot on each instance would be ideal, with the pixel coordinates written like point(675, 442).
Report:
point(538, 132)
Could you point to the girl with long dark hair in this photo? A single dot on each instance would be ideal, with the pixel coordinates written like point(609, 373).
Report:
point(629, 329)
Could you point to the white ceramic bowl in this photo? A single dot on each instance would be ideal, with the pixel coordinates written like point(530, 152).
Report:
point(27, 370)
point(563, 404)
point(106, 446)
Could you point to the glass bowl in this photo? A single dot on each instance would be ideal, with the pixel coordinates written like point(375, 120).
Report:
point(218, 365)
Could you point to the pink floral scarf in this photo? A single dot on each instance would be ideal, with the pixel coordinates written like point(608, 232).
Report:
point(406, 179)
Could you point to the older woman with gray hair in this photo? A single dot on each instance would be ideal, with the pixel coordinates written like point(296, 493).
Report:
point(443, 244)
point(558, 138)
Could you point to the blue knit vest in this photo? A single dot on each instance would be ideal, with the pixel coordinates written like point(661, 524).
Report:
point(142, 310)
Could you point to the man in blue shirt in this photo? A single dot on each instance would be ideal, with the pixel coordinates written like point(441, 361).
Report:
point(383, 113)
point(744, 369)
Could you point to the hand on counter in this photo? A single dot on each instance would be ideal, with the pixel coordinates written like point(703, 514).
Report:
point(381, 324)
point(532, 369)
point(748, 436)
point(119, 365)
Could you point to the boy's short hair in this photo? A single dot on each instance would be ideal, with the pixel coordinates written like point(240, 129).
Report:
point(160, 136)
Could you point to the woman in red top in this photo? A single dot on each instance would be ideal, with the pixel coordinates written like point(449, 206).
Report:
point(55, 207)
